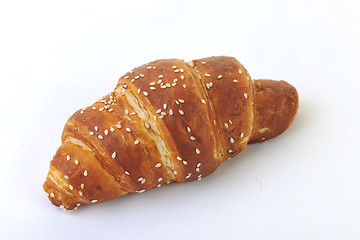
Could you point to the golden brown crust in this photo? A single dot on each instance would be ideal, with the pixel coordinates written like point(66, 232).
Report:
point(165, 121)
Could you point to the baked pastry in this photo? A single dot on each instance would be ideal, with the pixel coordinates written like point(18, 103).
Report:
point(166, 121)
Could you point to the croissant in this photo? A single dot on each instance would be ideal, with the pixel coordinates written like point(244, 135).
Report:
point(166, 121)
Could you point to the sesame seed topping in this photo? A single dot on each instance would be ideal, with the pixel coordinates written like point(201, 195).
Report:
point(128, 129)
point(147, 125)
point(174, 67)
point(160, 179)
point(181, 100)
point(143, 181)
point(61, 206)
point(173, 84)
point(161, 116)
point(158, 165)
point(188, 129)
point(182, 77)
point(93, 108)
point(100, 109)
point(145, 93)
point(176, 101)
point(203, 101)
point(164, 86)
point(197, 151)
point(127, 173)
point(66, 176)
point(245, 95)
point(118, 125)
point(113, 155)
point(226, 125)
point(81, 112)
point(136, 77)
point(152, 83)
point(141, 75)
point(197, 169)
point(198, 165)
point(80, 193)
point(192, 138)
point(177, 70)
point(184, 162)
point(175, 172)
point(242, 135)
point(203, 62)
point(94, 201)
point(179, 158)
point(149, 67)
point(175, 80)
point(68, 157)
point(152, 88)
point(214, 121)
point(96, 128)
point(126, 77)
point(232, 140)
point(78, 204)
point(171, 112)
point(165, 106)
point(163, 113)
point(230, 121)
point(207, 75)
point(158, 111)
point(141, 191)
point(106, 132)
point(112, 129)
point(100, 137)
point(77, 162)
point(158, 82)
point(240, 71)
point(52, 194)
point(184, 86)
point(85, 173)
point(139, 90)
point(160, 76)
point(154, 67)
point(235, 80)
point(136, 141)
point(219, 77)
point(181, 112)
point(110, 110)
point(133, 113)
point(71, 187)
point(188, 175)
point(168, 85)
point(230, 151)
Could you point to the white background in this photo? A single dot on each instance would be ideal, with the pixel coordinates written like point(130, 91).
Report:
point(59, 56)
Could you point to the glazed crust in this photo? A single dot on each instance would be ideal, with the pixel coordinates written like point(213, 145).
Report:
point(166, 121)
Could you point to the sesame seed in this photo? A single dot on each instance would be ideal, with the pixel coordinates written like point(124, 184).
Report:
point(176, 101)
point(197, 169)
point(230, 151)
point(160, 179)
point(188, 175)
point(173, 84)
point(154, 67)
point(179, 158)
point(240, 71)
point(81, 112)
point(68, 157)
point(152, 83)
point(141, 75)
point(85, 173)
point(171, 112)
point(52, 194)
point(175, 172)
point(230, 121)
point(93, 108)
point(136, 141)
point(141, 191)
point(71, 187)
point(133, 113)
point(174, 67)
point(106, 132)
point(184, 86)
point(100, 137)
point(152, 88)
point(203, 62)
point(138, 91)
point(181, 100)
point(163, 113)
point(158, 165)
point(203, 101)
point(207, 85)
point(177, 70)
point(181, 112)
point(226, 125)
point(188, 129)
point(143, 181)
point(126, 77)
point(78, 205)
point(242, 135)
point(192, 138)
point(168, 85)
point(220, 76)
point(158, 111)
point(127, 173)
point(100, 109)
point(160, 76)
point(182, 77)
point(158, 82)
point(132, 80)
point(161, 116)
point(149, 67)
point(147, 125)
point(165, 106)
point(232, 140)
point(214, 121)
point(145, 93)
point(164, 86)
point(128, 129)
point(82, 186)
point(61, 206)
point(66, 176)
point(198, 165)
point(118, 125)
point(113, 155)
point(245, 95)
point(94, 201)
point(112, 129)
point(136, 77)
point(197, 151)
point(184, 162)
point(110, 110)
point(77, 162)
point(96, 128)
point(80, 193)
point(235, 80)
